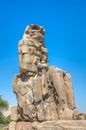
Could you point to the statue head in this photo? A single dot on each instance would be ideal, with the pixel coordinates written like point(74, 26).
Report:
point(33, 28)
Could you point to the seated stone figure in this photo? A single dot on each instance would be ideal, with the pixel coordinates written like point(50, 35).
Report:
point(43, 92)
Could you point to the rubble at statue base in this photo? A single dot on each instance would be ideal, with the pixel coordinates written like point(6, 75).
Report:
point(44, 93)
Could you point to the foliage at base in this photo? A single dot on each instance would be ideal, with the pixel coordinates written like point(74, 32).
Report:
point(4, 120)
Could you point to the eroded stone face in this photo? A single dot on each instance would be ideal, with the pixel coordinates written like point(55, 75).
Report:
point(44, 92)
point(31, 49)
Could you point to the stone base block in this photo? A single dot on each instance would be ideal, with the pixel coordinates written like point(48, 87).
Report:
point(52, 125)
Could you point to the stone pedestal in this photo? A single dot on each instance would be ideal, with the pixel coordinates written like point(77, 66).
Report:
point(53, 125)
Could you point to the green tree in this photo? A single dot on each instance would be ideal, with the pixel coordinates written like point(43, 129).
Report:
point(3, 104)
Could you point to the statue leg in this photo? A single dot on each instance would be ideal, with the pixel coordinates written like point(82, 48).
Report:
point(69, 90)
point(58, 83)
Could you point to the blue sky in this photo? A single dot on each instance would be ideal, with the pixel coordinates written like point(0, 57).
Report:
point(65, 38)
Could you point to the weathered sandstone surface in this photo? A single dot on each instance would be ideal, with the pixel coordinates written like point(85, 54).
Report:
point(44, 93)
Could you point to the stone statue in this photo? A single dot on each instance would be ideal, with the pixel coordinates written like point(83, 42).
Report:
point(44, 92)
